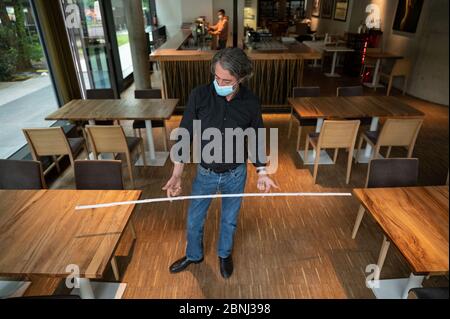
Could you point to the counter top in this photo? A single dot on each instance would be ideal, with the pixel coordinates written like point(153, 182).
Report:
point(170, 51)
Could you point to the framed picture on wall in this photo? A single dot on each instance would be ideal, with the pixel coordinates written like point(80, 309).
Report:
point(327, 9)
point(315, 8)
point(407, 15)
point(340, 10)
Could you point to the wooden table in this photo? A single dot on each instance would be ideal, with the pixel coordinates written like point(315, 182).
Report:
point(416, 221)
point(321, 108)
point(42, 234)
point(123, 109)
point(335, 50)
point(379, 56)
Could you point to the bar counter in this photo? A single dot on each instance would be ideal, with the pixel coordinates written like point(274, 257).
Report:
point(276, 71)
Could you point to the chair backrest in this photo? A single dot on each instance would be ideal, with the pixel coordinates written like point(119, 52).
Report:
point(47, 142)
point(306, 91)
point(402, 67)
point(399, 132)
point(107, 138)
point(148, 94)
point(393, 172)
point(350, 91)
point(103, 175)
point(16, 174)
point(338, 134)
point(100, 94)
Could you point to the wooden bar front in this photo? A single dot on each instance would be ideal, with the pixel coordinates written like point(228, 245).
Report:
point(276, 72)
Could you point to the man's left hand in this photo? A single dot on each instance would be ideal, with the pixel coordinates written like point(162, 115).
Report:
point(265, 183)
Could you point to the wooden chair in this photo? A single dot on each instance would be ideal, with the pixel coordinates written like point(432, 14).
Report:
point(138, 125)
point(394, 172)
point(395, 132)
point(334, 135)
point(102, 175)
point(101, 94)
point(369, 62)
point(310, 91)
point(112, 139)
point(52, 142)
point(350, 91)
point(15, 174)
point(402, 67)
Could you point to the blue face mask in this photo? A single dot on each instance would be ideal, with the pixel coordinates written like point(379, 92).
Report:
point(223, 90)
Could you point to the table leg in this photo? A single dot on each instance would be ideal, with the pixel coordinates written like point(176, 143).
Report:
point(375, 83)
point(364, 157)
point(333, 67)
point(397, 288)
point(153, 158)
point(325, 159)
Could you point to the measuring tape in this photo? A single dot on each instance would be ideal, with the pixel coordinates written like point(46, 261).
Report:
point(171, 199)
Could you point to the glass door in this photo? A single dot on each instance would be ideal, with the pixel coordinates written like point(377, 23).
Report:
point(91, 46)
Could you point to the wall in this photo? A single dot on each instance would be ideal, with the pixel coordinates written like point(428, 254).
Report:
point(330, 26)
point(427, 48)
point(192, 9)
point(169, 14)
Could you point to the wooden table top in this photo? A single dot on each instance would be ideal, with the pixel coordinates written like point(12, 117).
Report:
point(41, 233)
point(416, 221)
point(352, 107)
point(123, 109)
point(383, 55)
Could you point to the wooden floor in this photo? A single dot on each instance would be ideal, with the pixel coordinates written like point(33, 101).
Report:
point(284, 247)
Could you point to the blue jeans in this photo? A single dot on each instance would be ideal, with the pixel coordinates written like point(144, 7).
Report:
point(206, 183)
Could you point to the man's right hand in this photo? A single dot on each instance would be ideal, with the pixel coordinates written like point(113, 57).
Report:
point(173, 186)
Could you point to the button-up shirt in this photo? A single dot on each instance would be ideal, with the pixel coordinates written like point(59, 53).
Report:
point(242, 111)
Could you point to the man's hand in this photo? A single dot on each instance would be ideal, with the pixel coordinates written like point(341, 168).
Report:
point(173, 186)
point(265, 183)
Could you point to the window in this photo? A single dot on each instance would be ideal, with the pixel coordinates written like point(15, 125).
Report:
point(27, 94)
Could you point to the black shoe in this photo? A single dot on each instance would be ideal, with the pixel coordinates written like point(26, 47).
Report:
point(226, 266)
point(181, 264)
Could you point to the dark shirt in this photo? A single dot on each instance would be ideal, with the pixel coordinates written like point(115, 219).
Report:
point(214, 111)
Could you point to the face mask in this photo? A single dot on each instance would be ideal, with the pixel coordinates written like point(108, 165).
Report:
point(223, 90)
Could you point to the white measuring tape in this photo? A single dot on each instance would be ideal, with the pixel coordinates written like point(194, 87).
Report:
point(171, 199)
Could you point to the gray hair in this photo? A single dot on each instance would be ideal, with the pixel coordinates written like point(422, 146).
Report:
point(235, 61)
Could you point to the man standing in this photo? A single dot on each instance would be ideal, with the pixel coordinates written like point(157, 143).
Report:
point(220, 29)
point(223, 104)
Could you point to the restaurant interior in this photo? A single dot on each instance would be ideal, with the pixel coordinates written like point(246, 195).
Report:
point(92, 91)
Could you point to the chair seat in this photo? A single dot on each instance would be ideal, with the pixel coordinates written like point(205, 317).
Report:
point(76, 143)
point(133, 142)
point(141, 124)
point(305, 122)
point(372, 136)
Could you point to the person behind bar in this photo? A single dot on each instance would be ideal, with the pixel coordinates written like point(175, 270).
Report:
point(220, 29)
point(225, 103)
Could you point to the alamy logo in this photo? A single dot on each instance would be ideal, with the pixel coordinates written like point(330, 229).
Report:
point(73, 18)
point(225, 147)
point(373, 20)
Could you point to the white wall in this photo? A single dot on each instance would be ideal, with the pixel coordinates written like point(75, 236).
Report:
point(427, 48)
point(192, 9)
point(169, 14)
